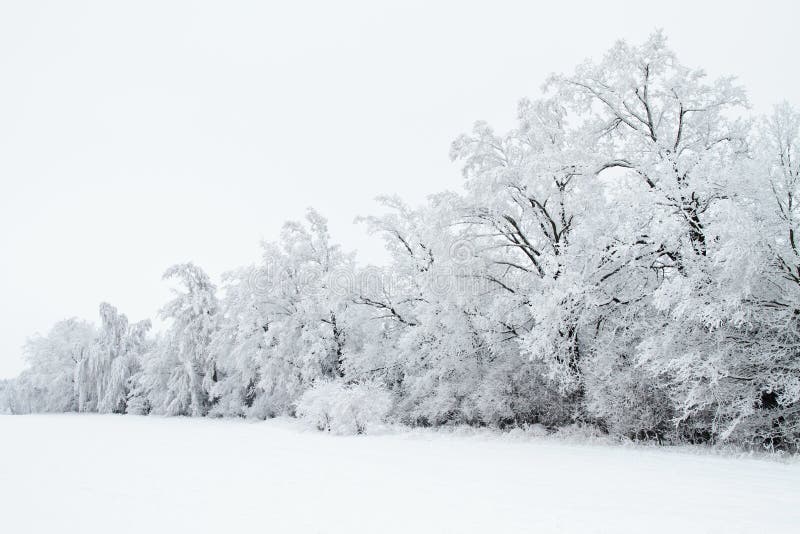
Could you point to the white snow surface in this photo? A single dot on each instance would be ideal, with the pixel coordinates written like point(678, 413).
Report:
point(100, 474)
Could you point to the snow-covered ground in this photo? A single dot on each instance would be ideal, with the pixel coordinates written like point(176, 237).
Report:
point(100, 474)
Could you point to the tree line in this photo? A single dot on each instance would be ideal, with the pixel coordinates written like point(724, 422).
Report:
point(625, 257)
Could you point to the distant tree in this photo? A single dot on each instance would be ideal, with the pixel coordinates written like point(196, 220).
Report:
point(180, 373)
point(104, 375)
point(48, 384)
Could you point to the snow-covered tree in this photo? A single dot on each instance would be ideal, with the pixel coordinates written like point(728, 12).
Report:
point(180, 373)
point(48, 384)
point(728, 348)
point(104, 377)
point(284, 324)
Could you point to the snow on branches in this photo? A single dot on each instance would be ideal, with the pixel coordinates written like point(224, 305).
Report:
point(626, 256)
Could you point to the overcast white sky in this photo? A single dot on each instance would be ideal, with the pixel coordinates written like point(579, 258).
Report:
point(139, 134)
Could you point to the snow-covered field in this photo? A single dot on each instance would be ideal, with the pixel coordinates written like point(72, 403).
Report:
point(100, 474)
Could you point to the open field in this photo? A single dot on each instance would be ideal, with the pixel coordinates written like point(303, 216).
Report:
point(90, 473)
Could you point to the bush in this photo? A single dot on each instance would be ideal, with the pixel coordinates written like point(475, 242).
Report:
point(519, 394)
point(630, 403)
point(344, 409)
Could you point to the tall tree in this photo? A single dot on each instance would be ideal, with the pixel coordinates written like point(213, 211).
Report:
point(181, 371)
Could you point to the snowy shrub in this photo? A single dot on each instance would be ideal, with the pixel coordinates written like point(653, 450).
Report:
point(344, 409)
point(519, 395)
point(5, 396)
point(537, 430)
point(577, 432)
point(630, 403)
point(433, 403)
